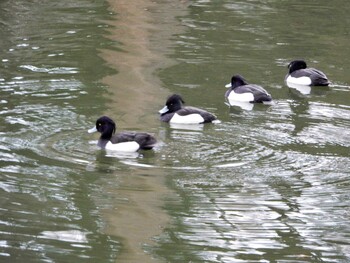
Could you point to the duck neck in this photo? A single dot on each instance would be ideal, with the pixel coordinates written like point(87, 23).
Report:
point(107, 133)
point(102, 143)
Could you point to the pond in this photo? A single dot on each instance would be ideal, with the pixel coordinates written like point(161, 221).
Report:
point(266, 184)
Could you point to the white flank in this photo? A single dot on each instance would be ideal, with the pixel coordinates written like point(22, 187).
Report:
point(299, 81)
point(123, 146)
point(242, 97)
point(188, 119)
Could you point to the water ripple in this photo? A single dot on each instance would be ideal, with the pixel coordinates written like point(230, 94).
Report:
point(54, 70)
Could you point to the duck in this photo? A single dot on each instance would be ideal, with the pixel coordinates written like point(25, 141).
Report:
point(176, 113)
point(239, 90)
point(123, 141)
point(300, 74)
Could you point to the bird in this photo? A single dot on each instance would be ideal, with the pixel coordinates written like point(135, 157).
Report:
point(123, 141)
point(175, 112)
point(300, 74)
point(239, 90)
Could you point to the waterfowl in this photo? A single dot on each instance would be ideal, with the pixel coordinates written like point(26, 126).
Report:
point(300, 74)
point(123, 141)
point(239, 90)
point(175, 112)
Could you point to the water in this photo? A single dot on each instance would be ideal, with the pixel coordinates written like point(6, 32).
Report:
point(49, 86)
point(269, 184)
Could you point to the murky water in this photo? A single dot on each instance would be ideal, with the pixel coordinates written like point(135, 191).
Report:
point(269, 184)
point(50, 85)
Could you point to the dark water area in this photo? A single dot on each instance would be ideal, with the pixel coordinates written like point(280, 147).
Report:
point(49, 83)
point(268, 184)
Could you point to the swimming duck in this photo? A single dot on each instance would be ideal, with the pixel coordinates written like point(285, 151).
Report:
point(240, 90)
point(175, 112)
point(123, 141)
point(301, 75)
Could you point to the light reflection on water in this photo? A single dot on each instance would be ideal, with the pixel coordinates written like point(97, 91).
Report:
point(264, 185)
point(270, 183)
point(46, 214)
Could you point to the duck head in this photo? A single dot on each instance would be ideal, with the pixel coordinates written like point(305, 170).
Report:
point(296, 65)
point(236, 81)
point(173, 103)
point(104, 125)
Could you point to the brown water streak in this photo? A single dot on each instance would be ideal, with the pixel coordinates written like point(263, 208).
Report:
point(137, 94)
point(138, 216)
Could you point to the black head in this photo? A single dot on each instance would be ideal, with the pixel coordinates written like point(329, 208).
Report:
point(238, 80)
point(296, 65)
point(174, 102)
point(106, 126)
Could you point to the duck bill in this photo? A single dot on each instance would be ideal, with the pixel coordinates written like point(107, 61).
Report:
point(164, 110)
point(92, 130)
point(228, 85)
